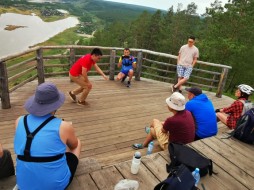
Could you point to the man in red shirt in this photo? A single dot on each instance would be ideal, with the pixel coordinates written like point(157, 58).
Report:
point(179, 128)
point(78, 74)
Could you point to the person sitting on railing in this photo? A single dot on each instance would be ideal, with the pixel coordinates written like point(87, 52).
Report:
point(203, 113)
point(79, 74)
point(6, 163)
point(187, 58)
point(230, 115)
point(180, 128)
point(127, 62)
point(46, 146)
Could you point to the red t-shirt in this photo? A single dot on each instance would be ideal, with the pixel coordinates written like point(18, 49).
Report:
point(85, 61)
point(181, 127)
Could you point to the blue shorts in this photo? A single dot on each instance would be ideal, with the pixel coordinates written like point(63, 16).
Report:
point(184, 72)
point(125, 70)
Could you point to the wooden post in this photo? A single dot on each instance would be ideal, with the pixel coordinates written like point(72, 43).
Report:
point(212, 83)
point(112, 64)
point(139, 66)
point(40, 66)
point(4, 87)
point(222, 82)
point(72, 56)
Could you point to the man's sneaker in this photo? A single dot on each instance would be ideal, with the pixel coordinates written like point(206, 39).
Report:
point(123, 79)
point(147, 130)
point(137, 146)
point(72, 96)
point(173, 88)
point(128, 84)
point(81, 103)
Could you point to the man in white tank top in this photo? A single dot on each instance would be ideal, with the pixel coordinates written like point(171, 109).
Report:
point(187, 58)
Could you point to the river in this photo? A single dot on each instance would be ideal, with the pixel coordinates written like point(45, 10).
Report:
point(33, 31)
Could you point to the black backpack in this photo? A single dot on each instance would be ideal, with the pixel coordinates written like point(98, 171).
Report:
point(182, 154)
point(180, 178)
point(244, 130)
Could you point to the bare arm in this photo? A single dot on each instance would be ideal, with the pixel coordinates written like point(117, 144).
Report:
point(67, 135)
point(97, 68)
point(178, 58)
point(134, 64)
point(163, 130)
point(119, 64)
point(194, 61)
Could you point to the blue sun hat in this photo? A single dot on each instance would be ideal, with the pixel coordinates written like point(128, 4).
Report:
point(47, 98)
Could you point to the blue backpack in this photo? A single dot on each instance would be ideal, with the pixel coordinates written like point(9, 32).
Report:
point(244, 130)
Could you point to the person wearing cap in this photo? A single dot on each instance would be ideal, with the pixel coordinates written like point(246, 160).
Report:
point(186, 60)
point(230, 115)
point(79, 74)
point(47, 148)
point(179, 128)
point(203, 113)
point(127, 62)
point(6, 163)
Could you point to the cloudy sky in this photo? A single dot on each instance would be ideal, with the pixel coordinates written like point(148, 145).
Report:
point(166, 4)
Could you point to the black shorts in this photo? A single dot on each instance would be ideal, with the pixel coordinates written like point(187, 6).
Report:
point(6, 165)
point(72, 162)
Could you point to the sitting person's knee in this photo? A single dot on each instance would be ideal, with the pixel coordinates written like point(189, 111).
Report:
point(131, 72)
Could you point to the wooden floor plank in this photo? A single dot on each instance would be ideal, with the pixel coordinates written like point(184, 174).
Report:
point(232, 153)
point(106, 178)
point(229, 174)
point(86, 182)
point(145, 177)
point(157, 165)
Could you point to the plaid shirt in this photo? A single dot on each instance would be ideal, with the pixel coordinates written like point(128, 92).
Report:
point(234, 111)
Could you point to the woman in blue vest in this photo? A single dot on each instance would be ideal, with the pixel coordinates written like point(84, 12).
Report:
point(46, 146)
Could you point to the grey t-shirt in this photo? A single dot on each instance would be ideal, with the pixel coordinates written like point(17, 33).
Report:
point(187, 54)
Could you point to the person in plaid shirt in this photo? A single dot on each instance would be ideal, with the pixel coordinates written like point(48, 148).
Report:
point(231, 114)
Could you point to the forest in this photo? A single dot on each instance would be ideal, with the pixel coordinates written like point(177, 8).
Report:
point(224, 35)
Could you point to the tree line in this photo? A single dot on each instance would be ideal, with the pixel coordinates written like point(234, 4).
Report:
point(224, 35)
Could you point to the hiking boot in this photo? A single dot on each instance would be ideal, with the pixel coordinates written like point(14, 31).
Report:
point(72, 96)
point(128, 84)
point(147, 130)
point(123, 79)
point(81, 103)
point(137, 146)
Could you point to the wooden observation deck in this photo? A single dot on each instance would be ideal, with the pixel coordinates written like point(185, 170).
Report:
point(113, 120)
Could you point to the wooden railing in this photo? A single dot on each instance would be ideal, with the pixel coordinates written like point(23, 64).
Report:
point(50, 61)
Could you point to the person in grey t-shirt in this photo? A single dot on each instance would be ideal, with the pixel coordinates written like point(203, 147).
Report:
point(187, 58)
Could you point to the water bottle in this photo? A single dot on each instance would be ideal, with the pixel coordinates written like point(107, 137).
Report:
point(150, 148)
point(196, 176)
point(136, 161)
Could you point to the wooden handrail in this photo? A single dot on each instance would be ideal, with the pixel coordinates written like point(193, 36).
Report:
point(165, 71)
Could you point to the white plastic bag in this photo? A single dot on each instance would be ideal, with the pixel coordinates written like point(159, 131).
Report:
point(127, 184)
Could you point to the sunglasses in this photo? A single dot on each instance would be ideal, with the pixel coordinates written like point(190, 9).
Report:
point(190, 41)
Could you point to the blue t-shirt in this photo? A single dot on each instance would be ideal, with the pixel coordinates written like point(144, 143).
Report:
point(204, 115)
point(47, 142)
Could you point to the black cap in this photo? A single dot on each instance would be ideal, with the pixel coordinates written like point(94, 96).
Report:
point(194, 90)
